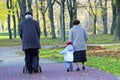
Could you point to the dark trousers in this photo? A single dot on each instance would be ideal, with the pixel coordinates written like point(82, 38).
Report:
point(31, 59)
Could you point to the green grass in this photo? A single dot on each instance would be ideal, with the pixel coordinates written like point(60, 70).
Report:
point(6, 33)
point(93, 39)
point(52, 54)
point(110, 65)
point(4, 41)
point(50, 41)
point(113, 47)
point(8, 42)
point(102, 39)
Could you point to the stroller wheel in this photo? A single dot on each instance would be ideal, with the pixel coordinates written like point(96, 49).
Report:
point(39, 68)
point(25, 70)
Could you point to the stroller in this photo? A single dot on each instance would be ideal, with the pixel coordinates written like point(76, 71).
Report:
point(25, 70)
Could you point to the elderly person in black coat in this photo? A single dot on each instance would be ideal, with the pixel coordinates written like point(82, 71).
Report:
point(29, 32)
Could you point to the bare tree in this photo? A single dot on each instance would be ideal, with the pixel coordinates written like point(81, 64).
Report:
point(37, 13)
point(104, 15)
point(43, 10)
point(93, 13)
point(29, 5)
point(9, 5)
point(25, 5)
point(22, 5)
point(17, 13)
point(62, 19)
point(14, 5)
point(51, 17)
point(112, 30)
point(72, 9)
point(117, 32)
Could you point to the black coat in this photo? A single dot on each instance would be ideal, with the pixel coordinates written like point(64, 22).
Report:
point(29, 32)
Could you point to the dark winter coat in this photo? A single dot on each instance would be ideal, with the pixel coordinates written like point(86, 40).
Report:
point(29, 32)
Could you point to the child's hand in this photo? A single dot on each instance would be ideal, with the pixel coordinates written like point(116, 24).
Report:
point(61, 52)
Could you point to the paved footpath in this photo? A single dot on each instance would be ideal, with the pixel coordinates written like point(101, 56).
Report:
point(12, 65)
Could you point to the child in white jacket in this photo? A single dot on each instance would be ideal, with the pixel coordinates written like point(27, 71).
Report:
point(68, 56)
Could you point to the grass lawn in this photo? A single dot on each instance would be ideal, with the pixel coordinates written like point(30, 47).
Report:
point(4, 41)
point(107, 64)
point(93, 39)
point(102, 39)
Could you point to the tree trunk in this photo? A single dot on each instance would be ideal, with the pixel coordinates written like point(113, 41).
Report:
point(95, 20)
point(9, 5)
point(22, 5)
point(75, 9)
point(62, 21)
point(29, 5)
point(14, 22)
point(112, 30)
point(43, 10)
point(37, 14)
point(44, 21)
point(9, 28)
point(105, 18)
point(93, 13)
point(2, 26)
point(117, 35)
point(72, 9)
point(17, 14)
point(51, 19)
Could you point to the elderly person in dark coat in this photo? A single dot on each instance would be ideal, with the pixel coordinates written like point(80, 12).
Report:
point(78, 35)
point(29, 32)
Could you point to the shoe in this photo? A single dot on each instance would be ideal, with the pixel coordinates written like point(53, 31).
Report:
point(83, 68)
point(77, 69)
point(67, 70)
point(71, 69)
point(35, 70)
point(30, 72)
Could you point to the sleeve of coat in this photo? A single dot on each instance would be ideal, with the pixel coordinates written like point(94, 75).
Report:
point(85, 35)
point(70, 36)
point(38, 30)
point(20, 30)
point(63, 52)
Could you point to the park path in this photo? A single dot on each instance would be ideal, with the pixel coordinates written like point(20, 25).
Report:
point(12, 64)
